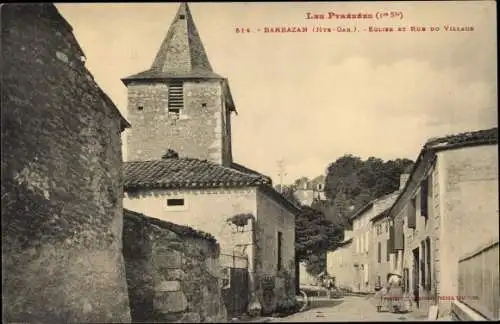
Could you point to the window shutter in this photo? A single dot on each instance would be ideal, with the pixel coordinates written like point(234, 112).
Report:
point(388, 253)
point(424, 197)
point(422, 264)
point(411, 214)
point(390, 241)
point(398, 233)
point(428, 261)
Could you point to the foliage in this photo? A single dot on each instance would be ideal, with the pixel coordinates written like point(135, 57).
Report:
point(316, 263)
point(314, 233)
point(240, 220)
point(351, 183)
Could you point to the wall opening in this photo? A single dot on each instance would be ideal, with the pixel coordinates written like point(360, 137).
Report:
point(175, 202)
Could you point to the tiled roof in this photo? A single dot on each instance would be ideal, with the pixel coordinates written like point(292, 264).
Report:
point(487, 136)
point(480, 137)
point(178, 229)
point(244, 169)
point(186, 173)
point(370, 204)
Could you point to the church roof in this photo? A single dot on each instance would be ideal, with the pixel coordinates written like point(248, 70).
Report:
point(186, 173)
point(181, 54)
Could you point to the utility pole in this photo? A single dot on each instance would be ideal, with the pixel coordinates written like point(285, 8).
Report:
point(282, 173)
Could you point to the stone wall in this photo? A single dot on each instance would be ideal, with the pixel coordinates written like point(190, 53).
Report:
point(61, 178)
point(172, 272)
point(200, 132)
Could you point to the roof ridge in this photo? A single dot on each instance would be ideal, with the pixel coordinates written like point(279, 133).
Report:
point(437, 139)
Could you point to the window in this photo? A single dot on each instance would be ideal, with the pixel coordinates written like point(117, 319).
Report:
point(411, 213)
point(182, 17)
point(367, 241)
point(428, 262)
point(424, 192)
point(280, 242)
point(175, 96)
point(379, 255)
point(387, 252)
point(422, 264)
point(362, 245)
point(140, 108)
point(175, 202)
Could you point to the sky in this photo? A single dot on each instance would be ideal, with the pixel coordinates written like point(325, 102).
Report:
point(309, 98)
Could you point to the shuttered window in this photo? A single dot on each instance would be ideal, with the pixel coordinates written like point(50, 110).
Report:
point(175, 96)
point(424, 193)
point(387, 252)
point(428, 262)
point(398, 236)
point(411, 213)
point(390, 241)
point(422, 264)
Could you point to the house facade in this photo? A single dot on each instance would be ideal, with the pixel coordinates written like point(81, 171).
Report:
point(447, 210)
point(181, 105)
point(381, 255)
point(339, 263)
point(370, 236)
point(361, 236)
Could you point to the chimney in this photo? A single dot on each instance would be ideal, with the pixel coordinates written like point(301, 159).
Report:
point(403, 179)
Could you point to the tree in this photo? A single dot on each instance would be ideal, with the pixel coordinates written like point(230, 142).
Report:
point(314, 234)
point(351, 183)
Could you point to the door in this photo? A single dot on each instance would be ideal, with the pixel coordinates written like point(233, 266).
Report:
point(236, 295)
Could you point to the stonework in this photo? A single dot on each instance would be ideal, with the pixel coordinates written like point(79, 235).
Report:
point(61, 178)
point(172, 276)
point(201, 130)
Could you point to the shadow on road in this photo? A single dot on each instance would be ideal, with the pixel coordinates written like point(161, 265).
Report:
point(320, 303)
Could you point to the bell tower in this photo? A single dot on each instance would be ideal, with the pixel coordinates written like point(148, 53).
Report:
point(179, 103)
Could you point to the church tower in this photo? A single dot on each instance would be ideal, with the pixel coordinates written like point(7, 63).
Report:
point(180, 103)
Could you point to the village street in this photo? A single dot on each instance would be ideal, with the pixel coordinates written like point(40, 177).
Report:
point(350, 308)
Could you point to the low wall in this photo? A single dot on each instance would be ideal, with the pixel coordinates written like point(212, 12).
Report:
point(172, 272)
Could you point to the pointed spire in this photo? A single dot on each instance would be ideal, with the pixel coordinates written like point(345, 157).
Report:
point(181, 53)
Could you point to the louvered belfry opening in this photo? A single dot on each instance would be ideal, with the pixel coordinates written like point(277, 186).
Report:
point(175, 96)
